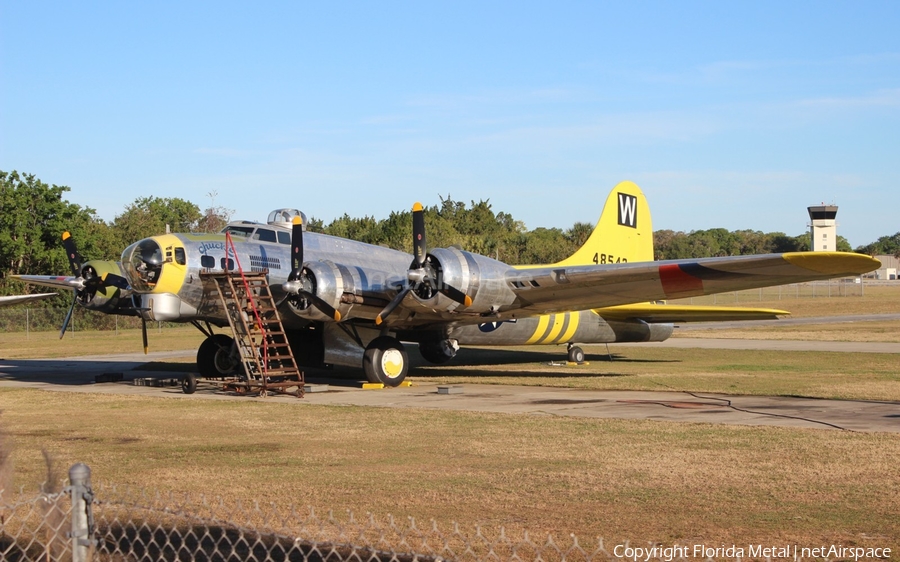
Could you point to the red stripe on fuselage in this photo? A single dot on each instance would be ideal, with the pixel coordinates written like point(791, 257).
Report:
point(676, 283)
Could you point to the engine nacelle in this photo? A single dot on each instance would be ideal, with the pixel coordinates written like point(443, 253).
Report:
point(481, 278)
point(106, 298)
point(630, 331)
point(328, 281)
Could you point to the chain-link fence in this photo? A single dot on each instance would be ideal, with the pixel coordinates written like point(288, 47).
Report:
point(27, 320)
point(848, 287)
point(103, 523)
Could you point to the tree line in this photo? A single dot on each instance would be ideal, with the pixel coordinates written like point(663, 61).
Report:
point(33, 215)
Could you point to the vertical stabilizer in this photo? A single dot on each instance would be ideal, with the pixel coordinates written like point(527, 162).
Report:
point(624, 232)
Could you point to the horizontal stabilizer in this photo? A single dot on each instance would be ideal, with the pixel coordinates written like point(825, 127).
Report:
point(53, 281)
point(19, 299)
point(675, 313)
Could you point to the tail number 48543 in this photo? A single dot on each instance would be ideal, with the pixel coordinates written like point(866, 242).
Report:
point(608, 258)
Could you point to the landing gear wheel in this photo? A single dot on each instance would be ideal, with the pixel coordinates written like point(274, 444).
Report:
point(434, 352)
point(576, 354)
point(385, 361)
point(215, 358)
point(189, 383)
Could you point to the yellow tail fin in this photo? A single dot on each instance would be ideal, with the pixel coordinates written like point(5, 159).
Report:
point(624, 232)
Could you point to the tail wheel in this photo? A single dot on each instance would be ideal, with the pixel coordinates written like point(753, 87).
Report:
point(216, 358)
point(385, 361)
point(576, 354)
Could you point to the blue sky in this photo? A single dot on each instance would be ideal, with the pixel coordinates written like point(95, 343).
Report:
point(727, 114)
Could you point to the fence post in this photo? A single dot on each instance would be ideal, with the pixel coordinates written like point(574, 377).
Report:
point(82, 516)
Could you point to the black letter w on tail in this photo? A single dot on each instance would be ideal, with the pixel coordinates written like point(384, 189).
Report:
point(627, 210)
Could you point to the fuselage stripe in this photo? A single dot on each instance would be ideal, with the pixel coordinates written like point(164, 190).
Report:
point(543, 321)
point(574, 318)
point(559, 320)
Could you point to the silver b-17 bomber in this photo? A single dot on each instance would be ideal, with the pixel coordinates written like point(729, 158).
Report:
point(344, 302)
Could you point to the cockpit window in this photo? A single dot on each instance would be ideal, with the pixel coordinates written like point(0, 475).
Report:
point(143, 263)
point(264, 235)
point(239, 231)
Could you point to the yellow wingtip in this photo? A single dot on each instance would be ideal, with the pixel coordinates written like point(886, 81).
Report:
point(833, 263)
point(417, 207)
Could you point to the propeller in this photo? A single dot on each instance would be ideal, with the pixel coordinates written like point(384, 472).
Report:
point(75, 266)
point(88, 286)
point(421, 273)
point(298, 280)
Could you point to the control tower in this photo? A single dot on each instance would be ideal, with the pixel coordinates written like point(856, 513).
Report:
point(823, 228)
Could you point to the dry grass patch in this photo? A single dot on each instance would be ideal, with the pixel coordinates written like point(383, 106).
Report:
point(874, 300)
point(620, 479)
point(769, 373)
point(865, 331)
point(19, 345)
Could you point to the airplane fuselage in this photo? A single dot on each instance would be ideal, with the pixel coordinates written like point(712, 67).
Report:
point(178, 292)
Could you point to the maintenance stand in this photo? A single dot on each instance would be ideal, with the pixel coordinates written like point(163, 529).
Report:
point(266, 356)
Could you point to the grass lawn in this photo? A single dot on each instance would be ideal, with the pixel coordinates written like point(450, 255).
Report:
point(641, 481)
point(875, 299)
point(861, 376)
point(619, 479)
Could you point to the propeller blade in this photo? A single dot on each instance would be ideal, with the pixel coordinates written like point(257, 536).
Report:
point(144, 334)
point(65, 325)
point(393, 304)
point(296, 248)
point(457, 295)
point(72, 253)
point(420, 250)
point(323, 306)
point(113, 280)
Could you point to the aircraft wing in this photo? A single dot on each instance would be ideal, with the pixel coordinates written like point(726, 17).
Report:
point(52, 281)
point(19, 299)
point(551, 289)
point(675, 313)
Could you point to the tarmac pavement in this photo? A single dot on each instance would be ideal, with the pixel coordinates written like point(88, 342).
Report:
point(78, 375)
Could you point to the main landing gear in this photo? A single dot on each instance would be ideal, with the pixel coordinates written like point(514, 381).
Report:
point(438, 352)
point(385, 361)
point(217, 357)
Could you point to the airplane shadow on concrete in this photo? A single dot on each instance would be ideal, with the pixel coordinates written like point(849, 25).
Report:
point(469, 362)
point(67, 371)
